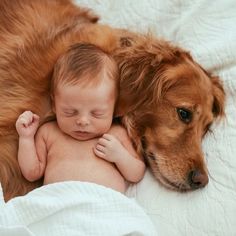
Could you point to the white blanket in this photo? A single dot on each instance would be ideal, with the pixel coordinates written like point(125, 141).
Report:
point(72, 209)
point(208, 30)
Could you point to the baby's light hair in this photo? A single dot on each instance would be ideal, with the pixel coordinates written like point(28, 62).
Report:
point(83, 62)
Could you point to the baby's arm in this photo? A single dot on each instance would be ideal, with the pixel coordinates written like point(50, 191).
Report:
point(116, 147)
point(31, 162)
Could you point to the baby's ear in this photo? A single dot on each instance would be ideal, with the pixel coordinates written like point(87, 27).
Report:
point(118, 112)
point(52, 103)
point(53, 108)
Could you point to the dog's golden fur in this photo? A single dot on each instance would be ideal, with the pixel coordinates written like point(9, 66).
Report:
point(158, 81)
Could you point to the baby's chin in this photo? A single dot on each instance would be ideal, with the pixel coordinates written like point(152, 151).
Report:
point(82, 136)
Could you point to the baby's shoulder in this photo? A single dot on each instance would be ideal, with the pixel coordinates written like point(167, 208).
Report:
point(119, 131)
point(49, 127)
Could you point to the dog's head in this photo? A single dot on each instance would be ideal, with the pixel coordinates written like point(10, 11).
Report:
point(168, 103)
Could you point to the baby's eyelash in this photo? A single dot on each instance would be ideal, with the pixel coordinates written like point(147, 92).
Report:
point(69, 113)
point(98, 115)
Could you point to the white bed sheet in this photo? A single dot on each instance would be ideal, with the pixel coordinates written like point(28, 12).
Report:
point(73, 208)
point(208, 30)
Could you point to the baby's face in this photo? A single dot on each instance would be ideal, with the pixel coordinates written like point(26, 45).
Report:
point(85, 111)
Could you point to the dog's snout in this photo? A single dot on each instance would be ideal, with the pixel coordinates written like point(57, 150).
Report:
point(197, 179)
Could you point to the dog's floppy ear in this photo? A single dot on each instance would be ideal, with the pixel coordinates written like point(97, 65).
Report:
point(138, 76)
point(142, 62)
point(219, 97)
point(218, 107)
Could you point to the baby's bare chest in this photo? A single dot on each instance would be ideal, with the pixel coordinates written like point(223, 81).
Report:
point(71, 149)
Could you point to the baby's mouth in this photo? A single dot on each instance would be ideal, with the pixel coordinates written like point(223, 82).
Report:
point(78, 132)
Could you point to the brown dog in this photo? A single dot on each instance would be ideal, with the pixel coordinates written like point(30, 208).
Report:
point(167, 101)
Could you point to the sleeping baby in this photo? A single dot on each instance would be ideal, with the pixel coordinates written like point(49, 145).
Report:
point(81, 143)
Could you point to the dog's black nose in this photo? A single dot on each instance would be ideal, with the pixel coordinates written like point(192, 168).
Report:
point(197, 179)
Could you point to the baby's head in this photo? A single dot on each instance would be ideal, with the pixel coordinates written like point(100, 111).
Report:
point(84, 90)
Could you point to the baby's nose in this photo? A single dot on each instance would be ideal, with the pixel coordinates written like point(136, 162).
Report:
point(83, 121)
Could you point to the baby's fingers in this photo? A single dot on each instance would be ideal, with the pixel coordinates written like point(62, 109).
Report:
point(23, 121)
point(99, 153)
point(102, 141)
point(35, 117)
point(25, 118)
point(35, 120)
point(108, 137)
point(100, 148)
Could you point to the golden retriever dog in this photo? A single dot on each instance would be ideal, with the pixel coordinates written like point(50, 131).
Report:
point(167, 101)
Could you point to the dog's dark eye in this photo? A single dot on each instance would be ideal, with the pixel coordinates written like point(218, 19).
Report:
point(184, 115)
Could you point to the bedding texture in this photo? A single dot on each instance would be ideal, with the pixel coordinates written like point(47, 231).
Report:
point(207, 29)
point(72, 209)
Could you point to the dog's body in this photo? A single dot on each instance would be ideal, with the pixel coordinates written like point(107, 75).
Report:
point(167, 101)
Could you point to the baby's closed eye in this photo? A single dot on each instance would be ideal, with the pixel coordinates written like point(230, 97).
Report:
point(69, 113)
point(98, 114)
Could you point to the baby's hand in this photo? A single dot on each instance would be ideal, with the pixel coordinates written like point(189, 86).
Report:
point(27, 124)
point(109, 148)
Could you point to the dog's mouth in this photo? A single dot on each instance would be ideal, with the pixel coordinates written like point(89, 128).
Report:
point(152, 160)
point(180, 187)
point(162, 178)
